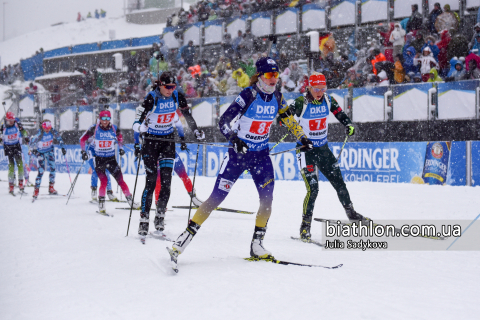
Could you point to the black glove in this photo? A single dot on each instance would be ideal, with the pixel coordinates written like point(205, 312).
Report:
point(239, 146)
point(138, 150)
point(121, 152)
point(307, 144)
point(183, 146)
point(35, 153)
point(26, 139)
point(84, 155)
point(64, 151)
point(350, 129)
point(1, 140)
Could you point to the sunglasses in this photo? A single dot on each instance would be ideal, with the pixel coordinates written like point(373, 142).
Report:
point(170, 87)
point(319, 90)
point(269, 75)
point(105, 118)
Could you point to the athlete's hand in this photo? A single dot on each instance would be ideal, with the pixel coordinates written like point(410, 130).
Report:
point(239, 146)
point(350, 130)
point(138, 150)
point(200, 135)
point(40, 156)
point(64, 151)
point(27, 139)
point(1, 140)
point(84, 155)
point(307, 144)
point(121, 152)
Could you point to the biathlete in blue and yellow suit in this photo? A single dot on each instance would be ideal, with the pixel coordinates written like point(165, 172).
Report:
point(312, 110)
point(257, 107)
point(42, 147)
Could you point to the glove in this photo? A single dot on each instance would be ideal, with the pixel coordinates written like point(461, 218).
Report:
point(64, 151)
point(121, 152)
point(239, 146)
point(84, 155)
point(26, 139)
point(35, 153)
point(1, 140)
point(200, 135)
point(138, 150)
point(307, 144)
point(350, 130)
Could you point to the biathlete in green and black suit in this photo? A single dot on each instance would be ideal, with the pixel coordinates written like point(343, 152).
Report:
point(312, 110)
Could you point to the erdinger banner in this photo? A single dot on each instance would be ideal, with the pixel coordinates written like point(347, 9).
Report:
point(437, 158)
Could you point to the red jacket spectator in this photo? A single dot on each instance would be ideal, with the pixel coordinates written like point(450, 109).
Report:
point(442, 46)
point(386, 42)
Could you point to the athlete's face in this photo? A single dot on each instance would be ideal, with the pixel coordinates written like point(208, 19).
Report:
point(104, 123)
point(167, 90)
point(271, 82)
point(10, 123)
point(317, 91)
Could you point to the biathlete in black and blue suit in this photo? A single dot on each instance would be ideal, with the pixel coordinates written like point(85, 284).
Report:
point(255, 108)
point(155, 120)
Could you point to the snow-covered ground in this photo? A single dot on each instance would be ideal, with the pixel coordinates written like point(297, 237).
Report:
point(67, 262)
point(88, 31)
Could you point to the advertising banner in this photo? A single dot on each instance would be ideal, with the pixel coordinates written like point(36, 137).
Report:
point(386, 162)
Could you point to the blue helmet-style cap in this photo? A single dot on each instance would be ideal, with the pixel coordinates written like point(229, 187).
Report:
point(266, 64)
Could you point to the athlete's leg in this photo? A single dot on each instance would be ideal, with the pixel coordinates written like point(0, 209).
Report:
point(306, 162)
point(158, 185)
point(232, 167)
point(109, 184)
point(11, 168)
point(182, 173)
point(19, 160)
point(166, 168)
point(100, 167)
point(41, 169)
point(327, 164)
point(50, 159)
point(264, 178)
point(150, 163)
point(113, 167)
point(94, 179)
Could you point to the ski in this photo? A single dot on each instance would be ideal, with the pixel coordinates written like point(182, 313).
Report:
point(104, 214)
point(286, 263)
point(397, 230)
point(173, 259)
point(13, 194)
point(217, 209)
point(96, 201)
point(308, 241)
point(127, 208)
point(163, 236)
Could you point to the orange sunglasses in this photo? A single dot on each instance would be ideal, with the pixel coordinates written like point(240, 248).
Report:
point(269, 75)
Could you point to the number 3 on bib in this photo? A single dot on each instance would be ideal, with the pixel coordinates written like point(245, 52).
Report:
point(317, 124)
point(260, 127)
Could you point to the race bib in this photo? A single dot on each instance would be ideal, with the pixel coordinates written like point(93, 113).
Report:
point(260, 127)
point(105, 143)
point(317, 124)
point(166, 118)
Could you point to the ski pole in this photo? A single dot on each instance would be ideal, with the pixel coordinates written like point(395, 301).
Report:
point(68, 170)
point(293, 149)
point(283, 138)
point(74, 182)
point(133, 198)
point(193, 185)
point(341, 150)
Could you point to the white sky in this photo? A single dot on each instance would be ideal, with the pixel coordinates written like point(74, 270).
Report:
point(23, 16)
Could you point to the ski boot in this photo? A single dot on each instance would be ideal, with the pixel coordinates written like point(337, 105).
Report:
point(21, 187)
point(35, 192)
point(11, 188)
point(305, 231)
point(51, 190)
point(143, 226)
point(353, 215)
point(257, 250)
point(101, 205)
point(94, 193)
point(111, 196)
point(135, 205)
point(197, 202)
point(184, 239)
point(159, 222)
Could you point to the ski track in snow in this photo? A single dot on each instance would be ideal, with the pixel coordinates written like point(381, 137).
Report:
point(67, 262)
